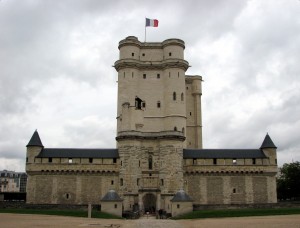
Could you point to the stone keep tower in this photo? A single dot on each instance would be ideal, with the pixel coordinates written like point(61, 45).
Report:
point(158, 115)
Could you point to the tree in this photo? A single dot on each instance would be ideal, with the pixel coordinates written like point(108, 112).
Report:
point(288, 182)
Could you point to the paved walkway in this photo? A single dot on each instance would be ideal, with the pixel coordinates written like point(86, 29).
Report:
point(47, 221)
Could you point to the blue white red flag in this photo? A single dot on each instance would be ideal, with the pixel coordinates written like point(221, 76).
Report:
point(151, 22)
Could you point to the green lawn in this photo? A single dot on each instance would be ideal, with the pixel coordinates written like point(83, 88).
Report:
point(238, 213)
point(74, 213)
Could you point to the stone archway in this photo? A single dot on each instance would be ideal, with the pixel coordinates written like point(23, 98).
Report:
point(149, 201)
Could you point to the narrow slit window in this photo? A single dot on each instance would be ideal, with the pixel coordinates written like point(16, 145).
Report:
point(158, 75)
point(182, 97)
point(90, 160)
point(132, 54)
point(144, 76)
point(50, 160)
point(150, 162)
point(158, 104)
point(174, 96)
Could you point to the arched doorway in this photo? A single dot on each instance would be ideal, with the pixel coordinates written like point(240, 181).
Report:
point(149, 201)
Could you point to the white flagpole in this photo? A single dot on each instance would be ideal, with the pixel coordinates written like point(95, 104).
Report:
point(145, 30)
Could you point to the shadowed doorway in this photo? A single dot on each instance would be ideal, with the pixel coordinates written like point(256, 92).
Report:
point(149, 201)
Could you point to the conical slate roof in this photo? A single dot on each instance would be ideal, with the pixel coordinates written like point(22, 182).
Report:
point(181, 196)
point(267, 143)
point(111, 195)
point(35, 140)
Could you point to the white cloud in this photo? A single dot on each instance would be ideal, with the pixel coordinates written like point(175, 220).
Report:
point(56, 74)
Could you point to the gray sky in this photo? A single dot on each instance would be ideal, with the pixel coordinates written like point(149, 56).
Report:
point(56, 71)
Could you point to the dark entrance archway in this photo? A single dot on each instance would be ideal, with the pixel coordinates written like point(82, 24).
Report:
point(149, 201)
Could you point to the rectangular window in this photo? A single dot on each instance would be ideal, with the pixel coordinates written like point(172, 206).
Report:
point(90, 160)
point(49, 160)
point(138, 181)
point(132, 54)
point(114, 160)
point(116, 205)
point(215, 161)
point(70, 160)
point(253, 161)
point(234, 161)
point(144, 104)
point(162, 182)
point(112, 182)
point(194, 161)
point(144, 76)
point(158, 75)
point(158, 104)
point(178, 206)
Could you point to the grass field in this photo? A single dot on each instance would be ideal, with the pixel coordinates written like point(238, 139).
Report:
point(74, 213)
point(238, 213)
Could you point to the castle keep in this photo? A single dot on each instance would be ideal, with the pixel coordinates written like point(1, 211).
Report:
point(159, 162)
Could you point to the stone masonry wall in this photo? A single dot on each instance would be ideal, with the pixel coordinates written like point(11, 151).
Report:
point(230, 189)
point(69, 188)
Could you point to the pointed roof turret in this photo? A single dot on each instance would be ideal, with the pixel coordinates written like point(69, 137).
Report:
point(111, 195)
point(181, 196)
point(268, 143)
point(35, 140)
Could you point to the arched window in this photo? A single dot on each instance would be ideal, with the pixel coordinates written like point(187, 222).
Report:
point(182, 97)
point(150, 162)
point(174, 96)
point(175, 128)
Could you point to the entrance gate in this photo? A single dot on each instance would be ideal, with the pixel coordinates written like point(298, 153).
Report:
point(149, 201)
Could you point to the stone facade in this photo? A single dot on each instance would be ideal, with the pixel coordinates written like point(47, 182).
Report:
point(159, 146)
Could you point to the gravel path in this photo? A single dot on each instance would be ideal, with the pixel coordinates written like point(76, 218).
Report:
point(47, 221)
point(157, 223)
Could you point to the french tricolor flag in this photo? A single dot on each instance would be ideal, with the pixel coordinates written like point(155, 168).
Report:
point(151, 22)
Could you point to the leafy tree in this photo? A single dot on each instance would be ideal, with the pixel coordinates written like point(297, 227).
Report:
point(288, 182)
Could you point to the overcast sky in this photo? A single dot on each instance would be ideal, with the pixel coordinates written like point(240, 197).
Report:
point(56, 71)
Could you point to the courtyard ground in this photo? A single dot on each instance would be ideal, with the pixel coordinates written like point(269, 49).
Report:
point(47, 221)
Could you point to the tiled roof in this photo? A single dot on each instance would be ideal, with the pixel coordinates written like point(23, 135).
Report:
point(35, 140)
point(268, 143)
point(78, 153)
point(181, 196)
point(111, 195)
point(223, 153)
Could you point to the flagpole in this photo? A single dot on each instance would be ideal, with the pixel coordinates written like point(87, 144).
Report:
point(145, 30)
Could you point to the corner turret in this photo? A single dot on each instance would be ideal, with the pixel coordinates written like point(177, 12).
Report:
point(269, 149)
point(34, 147)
